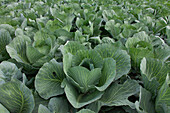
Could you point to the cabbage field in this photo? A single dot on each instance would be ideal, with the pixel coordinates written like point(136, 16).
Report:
point(84, 56)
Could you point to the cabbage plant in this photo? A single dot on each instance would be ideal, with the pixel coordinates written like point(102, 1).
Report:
point(84, 56)
point(32, 54)
point(6, 31)
point(16, 97)
point(86, 74)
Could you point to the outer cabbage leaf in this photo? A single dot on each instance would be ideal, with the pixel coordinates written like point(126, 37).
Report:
point(39, 101)
point(64, 19)
point(9, 28)
point(158, 42)
point(85, 111)
point(19, 31)
point(78, 99)
point(162, 103)
point(5, 39)
point(154, 68)
point(162, 54)
point(58, 105)
point(17, 48)
point(16, 97)
point(108, 14)
point(9, 71)
point(95, 106)
point(168, 35)
point(50, 75)
point(61, 32)
point(108, 74)
point(117, 94)
point(150, 85)
point(145, 102)
point(113, 28)
point(120, 56)
point(67, 62)
point(33, 54)
point(3, 109)
point(43, 109)
point(53, 25)
point(72, 47)
point(137, 55)
point(168, 31)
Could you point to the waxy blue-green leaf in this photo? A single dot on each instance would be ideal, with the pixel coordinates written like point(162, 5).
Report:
point(33, 54)
point(85, 111)
point(1, 80)
point(18, 32)
point(121, 57)
point(9, 71)
point(158, 42)
point(63, 32)
point(16, 97)
point(68, 50)
point(3, 109)
point(88, 29)
point(162, 103)
point(139, 46)
point(168, 31)
point(64, 19)
point(5, 39)
point(72, 47)
point(58, 105)
point(128, 30)
point(117, 94)
point(17, 48)
point(50, 75)
point(113, 28)
point(129, 109)
point(145, 104)
point(43, 109)
point(78, 99)
point(79, 36)
point(162, 54)
point(45, 58)
point(137, 54)
point(154, 68)
point(53, 25)
point(95, 106)
point(87, 57)
point(107, 40)
point(108, 74)
point(9, 28)
point(41, 39)
point(108, 14)
point(141, 36)
point(81, 22)
point(84, 78)
point(150, 85)
point(39, 101)
point(67, 62)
